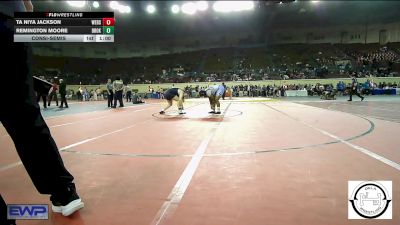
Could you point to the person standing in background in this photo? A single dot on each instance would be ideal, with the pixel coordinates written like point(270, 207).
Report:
point(223, 95)
point(63, 93)
point(31, 136)
point(86, 95)
point(118, 88)
point(110, 93)
point(53, 92)
point(80, 94)
point(95, 95)
point(354, 89)
point(128, 92)
point(41, 94)
point(98, 93)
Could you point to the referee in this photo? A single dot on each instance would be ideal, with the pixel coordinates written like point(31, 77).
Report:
point(110, 93)
point(353, 90)
point(118, 87)
point(63, 93)
point(29, 132)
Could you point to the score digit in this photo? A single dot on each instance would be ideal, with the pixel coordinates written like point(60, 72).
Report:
point(108, 30)
point(108, 21)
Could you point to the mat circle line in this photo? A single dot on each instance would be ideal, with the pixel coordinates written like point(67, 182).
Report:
point(166, 155)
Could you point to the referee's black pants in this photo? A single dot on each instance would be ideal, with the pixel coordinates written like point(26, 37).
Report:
point(354, 92)
point(118, 96)
point(63, 101)
point(23, 121)
point(110, 98)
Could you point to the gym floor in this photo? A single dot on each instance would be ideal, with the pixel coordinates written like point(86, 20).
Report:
point(262, 161)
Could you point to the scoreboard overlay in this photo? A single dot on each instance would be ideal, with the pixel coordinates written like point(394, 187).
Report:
point(64, 26)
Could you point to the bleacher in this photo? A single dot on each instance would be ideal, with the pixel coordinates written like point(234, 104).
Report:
point(294, 61)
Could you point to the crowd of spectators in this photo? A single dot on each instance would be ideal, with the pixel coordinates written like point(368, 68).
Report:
point(240, 90)
point(274, 90)
point(230, 64)
point(375, 61)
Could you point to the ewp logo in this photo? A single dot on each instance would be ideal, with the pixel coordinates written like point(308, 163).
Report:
point(27, 212)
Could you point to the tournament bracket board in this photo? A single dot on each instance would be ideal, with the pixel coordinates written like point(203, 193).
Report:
point(64, 26)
